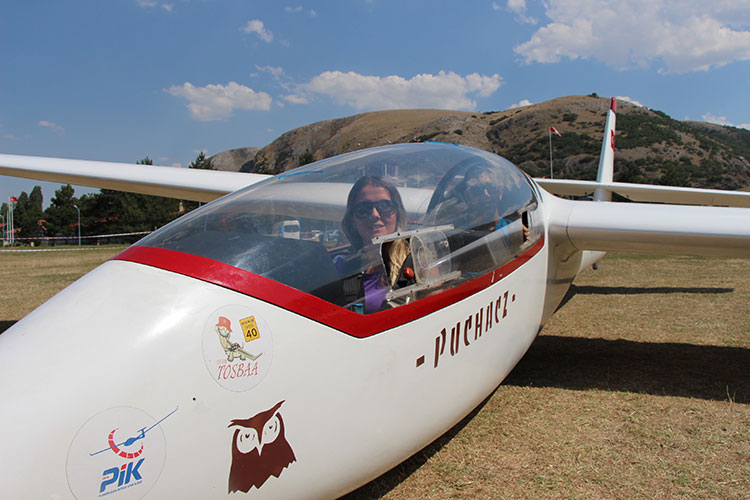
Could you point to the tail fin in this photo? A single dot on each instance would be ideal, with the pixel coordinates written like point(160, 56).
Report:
point(605, 174)
point(604, 185)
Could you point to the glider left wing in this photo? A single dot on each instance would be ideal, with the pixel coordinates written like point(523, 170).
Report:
point(181, 183)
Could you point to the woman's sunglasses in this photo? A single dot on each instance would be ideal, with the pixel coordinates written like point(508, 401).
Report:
point(363, 209)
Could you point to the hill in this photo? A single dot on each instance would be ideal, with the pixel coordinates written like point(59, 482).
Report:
point(651, 146)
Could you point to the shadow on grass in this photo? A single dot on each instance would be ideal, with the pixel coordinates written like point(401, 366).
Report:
point(380, 486)
point(637, 290)
point(686, 370)
point(4, 325)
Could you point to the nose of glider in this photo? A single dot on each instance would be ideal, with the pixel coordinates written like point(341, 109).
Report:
point(93, 380)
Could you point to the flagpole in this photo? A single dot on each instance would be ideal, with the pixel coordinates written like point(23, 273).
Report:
point(10, 219)
point(549, 133)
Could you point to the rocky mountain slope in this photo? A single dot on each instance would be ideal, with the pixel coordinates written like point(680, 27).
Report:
point(233, 159)
point(651, 146)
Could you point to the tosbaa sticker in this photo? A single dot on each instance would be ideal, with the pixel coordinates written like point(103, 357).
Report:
point(118, 453)
point(237, 347)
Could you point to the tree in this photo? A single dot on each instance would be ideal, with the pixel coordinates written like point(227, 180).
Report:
point(19, 213)
point(4, 218)
point(32, 214)
point(27, 213)
point(62, 215)
point(119, 212)
point(629, 171)
point(673, 175)
point(87, 204)
point(305, 158)
point(201, 162)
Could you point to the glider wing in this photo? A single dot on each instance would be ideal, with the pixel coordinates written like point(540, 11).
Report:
point(182, 183)
point(652, 228)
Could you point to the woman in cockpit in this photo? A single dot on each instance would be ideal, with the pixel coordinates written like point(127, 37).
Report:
point(374, 208)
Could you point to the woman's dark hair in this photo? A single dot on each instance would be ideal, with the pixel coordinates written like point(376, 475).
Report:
point(348, 222)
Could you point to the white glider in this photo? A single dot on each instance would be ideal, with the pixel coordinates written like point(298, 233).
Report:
point(219, 356)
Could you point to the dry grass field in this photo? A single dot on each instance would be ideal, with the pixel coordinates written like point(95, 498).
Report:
point(639, 387)
point(30, 278)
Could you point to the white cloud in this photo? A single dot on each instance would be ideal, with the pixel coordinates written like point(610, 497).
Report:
point(297, 95)
point(150, 4)
point(256, 26)
point(521, 104)
point(628, 99)
point(215, 102)
point(296, 99)
point(518, 7)
point(275, 71)
point(444, 90)
point(722, 120)
point(679, 36)
point(54, 127)
point(300, 10)
point(719, 120)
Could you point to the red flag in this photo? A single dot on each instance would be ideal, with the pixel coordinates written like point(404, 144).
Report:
point(554, 131)
point(13, 199)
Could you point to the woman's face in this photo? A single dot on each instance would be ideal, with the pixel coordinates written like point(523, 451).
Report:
point(374, 213)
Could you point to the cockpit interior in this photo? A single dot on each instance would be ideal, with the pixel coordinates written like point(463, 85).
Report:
point(425, 217)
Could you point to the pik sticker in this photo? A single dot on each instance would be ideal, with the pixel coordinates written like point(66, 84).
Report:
point(237, 347)
point(118, 453)
point(259, 450)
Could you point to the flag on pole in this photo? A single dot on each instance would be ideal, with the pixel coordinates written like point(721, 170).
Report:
point(554, 131)
point(13, 199)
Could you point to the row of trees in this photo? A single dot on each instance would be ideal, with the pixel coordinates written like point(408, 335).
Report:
point(106, 212)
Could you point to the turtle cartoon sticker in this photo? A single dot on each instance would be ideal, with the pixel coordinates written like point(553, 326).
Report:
point(237, 347)
point(232, 349)
point(118, 453)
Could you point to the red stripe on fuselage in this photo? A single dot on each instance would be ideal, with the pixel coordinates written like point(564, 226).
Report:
point(309, 306)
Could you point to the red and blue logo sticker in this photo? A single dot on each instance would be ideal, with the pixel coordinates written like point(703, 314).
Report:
point(118, 453)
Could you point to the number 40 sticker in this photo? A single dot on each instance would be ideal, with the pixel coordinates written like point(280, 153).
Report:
point(250, 328)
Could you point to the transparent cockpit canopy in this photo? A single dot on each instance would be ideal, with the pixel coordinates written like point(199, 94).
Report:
point(288, 228)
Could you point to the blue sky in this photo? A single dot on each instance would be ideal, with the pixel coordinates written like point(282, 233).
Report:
point(119, 80)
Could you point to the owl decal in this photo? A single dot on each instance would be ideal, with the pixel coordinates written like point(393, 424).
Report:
point(259, 450)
